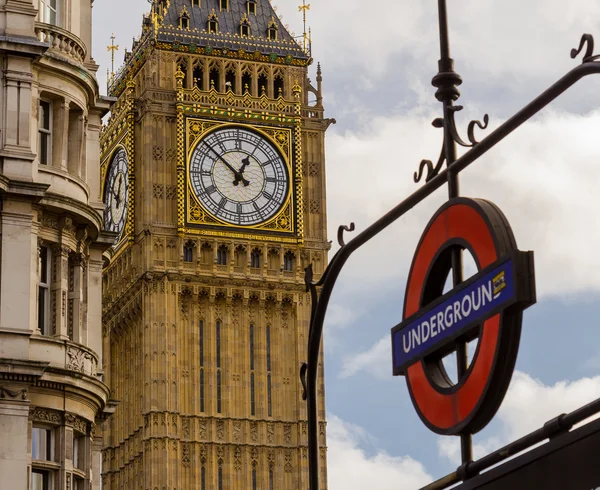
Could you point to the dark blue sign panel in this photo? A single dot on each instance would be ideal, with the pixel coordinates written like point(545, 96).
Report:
point(470, 304)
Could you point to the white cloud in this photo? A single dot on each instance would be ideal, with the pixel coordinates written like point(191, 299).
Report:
point(543, 177)
point(375, 361)
point(517, 417)
point(349, 467)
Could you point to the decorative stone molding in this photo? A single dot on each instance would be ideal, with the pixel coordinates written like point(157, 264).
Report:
point(78, 423)
point(6, 393)
point(46, 416)
point(81, 360)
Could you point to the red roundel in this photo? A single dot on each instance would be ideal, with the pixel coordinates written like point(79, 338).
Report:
point(447, 408)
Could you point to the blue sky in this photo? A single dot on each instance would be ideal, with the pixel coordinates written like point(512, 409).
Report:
point(378, 60)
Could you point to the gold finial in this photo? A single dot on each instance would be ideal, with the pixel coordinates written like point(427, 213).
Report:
point(112, 48)
point(303, 8)
point(179, 76)
point(296, 89)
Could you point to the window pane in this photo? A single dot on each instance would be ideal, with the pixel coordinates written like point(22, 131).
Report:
point(44, 265)
point(268, 348)
point(42, 309)
point(39, 480)
point(44, 115)
point(201, 343)
point(41, 444)
point(218, 344)
point(44, 147)
point(251, 346)
point(202, 390)
point(252, 399)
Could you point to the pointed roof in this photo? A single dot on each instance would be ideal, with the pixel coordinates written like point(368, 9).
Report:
point(229, 21)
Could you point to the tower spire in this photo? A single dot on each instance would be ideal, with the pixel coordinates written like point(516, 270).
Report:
point(303, 8)
point(112, 48)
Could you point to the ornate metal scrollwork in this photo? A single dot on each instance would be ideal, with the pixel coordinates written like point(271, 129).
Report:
point(450, 123)
point(587, 40)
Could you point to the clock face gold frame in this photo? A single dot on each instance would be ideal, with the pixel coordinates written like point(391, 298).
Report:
point(198, 213)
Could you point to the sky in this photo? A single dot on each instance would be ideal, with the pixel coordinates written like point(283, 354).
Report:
point(378, 61)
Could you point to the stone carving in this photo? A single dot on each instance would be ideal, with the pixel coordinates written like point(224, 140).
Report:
point(185, 455)
point(171, 192)
point(76, 422)
point(288, 461)
point(80, 360)
point(185, 425)
point(254, 432)
point(220, 430)
point(202, 429)
point(5, 392)
point(287, 433)
point(322, 428)
point(237, 431)
point(270, 433)
point(157, 191)
point(44, 415)
point(237, 458)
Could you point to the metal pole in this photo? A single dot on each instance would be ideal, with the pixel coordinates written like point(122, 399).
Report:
point(446, 81)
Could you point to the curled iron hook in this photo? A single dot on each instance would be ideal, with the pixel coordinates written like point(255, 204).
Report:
point(341, 231)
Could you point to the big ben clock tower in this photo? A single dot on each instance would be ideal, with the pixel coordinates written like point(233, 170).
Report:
point(214, 182)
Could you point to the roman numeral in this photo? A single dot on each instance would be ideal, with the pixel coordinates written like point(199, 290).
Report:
point(267, 195)
point(223, 202)
point(210, 189)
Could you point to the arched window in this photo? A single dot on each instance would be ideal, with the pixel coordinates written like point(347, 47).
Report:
point(184, 19)
point(215, 79)
point(262, 84)
point(213, 22)
point(251, 7)
point(199, 77)
point(246, 82)
point(288, 262)
point(188, 252)
point(278, 86)
point(272, 30)
point(255, 258)
point(222, 255)
point(224, 5)
point(230, 81)
point(245, 26)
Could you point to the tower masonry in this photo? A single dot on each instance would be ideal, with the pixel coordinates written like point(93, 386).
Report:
point(213, 176)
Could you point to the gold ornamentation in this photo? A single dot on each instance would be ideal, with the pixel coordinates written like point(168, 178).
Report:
point(194, 215)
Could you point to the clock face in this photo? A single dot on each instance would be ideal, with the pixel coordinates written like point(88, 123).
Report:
point(239, 176)
point(115, 193)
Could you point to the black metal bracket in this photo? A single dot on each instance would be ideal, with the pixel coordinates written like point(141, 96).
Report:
point(447, 92)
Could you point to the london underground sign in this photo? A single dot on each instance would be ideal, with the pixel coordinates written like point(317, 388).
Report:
point(488, 306)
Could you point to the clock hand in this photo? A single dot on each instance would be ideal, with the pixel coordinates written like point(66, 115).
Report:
point(237, 175)
point(245, 163)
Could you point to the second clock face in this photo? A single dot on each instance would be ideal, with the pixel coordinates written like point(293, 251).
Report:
point(239, 176)
point(115, 193)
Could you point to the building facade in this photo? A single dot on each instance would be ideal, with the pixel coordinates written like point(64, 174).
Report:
point(52, 396)
point(213, 175)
